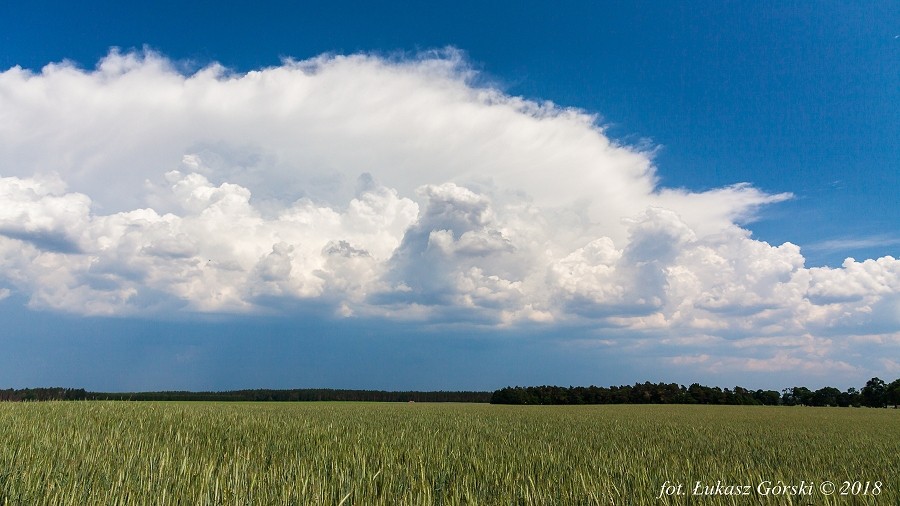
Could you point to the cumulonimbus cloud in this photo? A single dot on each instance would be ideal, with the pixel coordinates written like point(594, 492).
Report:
point(386, 188)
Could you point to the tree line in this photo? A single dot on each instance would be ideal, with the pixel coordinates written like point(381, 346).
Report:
point(43, 394)
point(293, 395)
point(876, 393)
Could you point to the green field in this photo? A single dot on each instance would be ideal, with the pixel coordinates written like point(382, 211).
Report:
point(96, 453)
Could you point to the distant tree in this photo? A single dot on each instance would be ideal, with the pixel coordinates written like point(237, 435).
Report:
point(873, 394)
point(848, 398)
point(797, 396)
point(787, 397)
point(825, 396)
point(697, 393)
point(767, 397)
point(742, 396)
point(892, 393)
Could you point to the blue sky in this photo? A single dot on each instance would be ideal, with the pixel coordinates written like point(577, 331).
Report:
point(488, 194)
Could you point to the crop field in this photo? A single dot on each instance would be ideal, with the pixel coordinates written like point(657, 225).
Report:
point(192, 453)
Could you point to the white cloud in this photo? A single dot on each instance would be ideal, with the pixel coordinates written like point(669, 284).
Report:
point(395, 189)
point(856, 280)
point(779, 362)
point(220, 254)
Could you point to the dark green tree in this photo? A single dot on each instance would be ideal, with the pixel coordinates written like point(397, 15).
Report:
point(873, 394)
point(892, 393)
point(767, 397)
point(826, 396)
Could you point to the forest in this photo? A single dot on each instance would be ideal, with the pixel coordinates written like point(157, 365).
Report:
point(875, 393)
point(259, 395)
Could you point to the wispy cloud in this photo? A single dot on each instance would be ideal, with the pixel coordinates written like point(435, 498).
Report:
point(854, 243)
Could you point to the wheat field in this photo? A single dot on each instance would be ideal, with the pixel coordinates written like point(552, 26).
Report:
point(194, 453)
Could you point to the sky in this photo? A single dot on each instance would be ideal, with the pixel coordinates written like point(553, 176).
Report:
point(464, 196)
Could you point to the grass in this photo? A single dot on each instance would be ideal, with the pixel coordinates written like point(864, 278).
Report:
point(96, 453)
